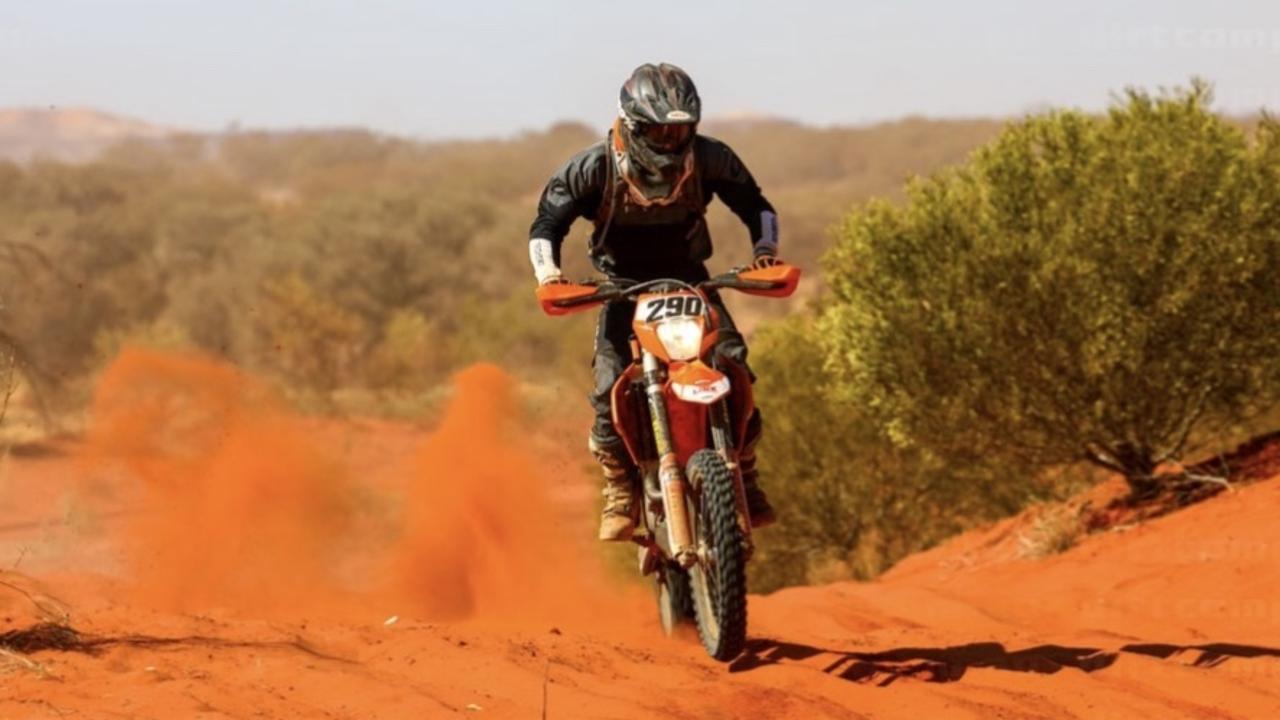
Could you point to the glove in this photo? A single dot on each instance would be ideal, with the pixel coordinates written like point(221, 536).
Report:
point(764, 260)
point(553, 280)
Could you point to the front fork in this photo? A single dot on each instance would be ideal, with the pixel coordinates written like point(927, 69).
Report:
point(671, 478)
point(722, 435)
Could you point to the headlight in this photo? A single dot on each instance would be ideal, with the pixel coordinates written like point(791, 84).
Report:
point(681, 336)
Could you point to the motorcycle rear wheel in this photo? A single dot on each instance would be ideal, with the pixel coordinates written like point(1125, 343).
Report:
point(719, 578)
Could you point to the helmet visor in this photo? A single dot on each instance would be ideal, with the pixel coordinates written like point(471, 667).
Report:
point(665, 138)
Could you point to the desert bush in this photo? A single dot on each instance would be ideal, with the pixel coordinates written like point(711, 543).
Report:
point(159, 335)
point(850, 503)
point(1083, 289)
point(411, 354)
point(304, 336)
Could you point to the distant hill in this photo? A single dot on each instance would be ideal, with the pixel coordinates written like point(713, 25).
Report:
point(742, 119)
point(68, 134)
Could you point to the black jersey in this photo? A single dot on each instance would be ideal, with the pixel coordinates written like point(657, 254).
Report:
point(641, 242)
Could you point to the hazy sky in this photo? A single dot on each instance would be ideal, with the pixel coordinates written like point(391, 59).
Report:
point(484, 67)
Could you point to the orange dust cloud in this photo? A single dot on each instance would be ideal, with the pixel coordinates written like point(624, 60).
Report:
point(239, 506)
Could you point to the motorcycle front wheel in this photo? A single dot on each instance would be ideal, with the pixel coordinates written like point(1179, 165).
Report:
point(675, 597)
point(719, 578)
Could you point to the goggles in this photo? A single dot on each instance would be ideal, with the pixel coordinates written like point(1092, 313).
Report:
point(665, 138)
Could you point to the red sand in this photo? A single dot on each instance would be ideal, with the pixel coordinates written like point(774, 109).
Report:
point(227, 559)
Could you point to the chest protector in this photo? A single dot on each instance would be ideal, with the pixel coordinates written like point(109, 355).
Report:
point(627, 216)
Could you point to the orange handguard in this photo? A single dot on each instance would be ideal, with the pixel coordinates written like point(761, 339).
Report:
point(551, 296)
point(787, 277)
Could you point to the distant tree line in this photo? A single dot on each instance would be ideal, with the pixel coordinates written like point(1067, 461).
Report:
point(345, 259)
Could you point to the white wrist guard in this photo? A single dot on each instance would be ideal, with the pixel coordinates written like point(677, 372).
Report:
point(543, 260)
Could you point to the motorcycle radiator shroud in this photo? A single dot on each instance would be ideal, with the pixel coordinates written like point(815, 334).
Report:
point(690, 421)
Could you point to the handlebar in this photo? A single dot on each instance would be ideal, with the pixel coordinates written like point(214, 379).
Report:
point(734, 281)
point(559, 299)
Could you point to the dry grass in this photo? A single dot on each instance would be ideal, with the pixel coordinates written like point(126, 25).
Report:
point(1055, 529)
point(10, 661)
point(8, 381)
point(51, 632)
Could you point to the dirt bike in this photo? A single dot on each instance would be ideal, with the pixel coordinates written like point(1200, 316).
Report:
point(682, 411)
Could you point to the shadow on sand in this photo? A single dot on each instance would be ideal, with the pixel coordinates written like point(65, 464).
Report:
point(946, 664)
point(949, 664)
point(1211, 654)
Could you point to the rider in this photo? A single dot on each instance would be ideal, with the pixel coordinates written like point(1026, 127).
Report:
point(646, 187)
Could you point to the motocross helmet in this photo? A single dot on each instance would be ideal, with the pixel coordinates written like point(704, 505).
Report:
point(658, 113)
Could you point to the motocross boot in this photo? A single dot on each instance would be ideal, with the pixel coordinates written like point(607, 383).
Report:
point(762, 514)
point(617, 519)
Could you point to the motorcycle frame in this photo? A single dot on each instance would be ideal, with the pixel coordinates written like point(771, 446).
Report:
point(663, 484)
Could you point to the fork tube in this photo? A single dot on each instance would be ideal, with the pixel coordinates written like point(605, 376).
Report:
point(670, 478)
point(722, 433)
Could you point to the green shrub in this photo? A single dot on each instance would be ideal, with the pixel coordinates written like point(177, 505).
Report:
point(851, 503)
point(1083, 289)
